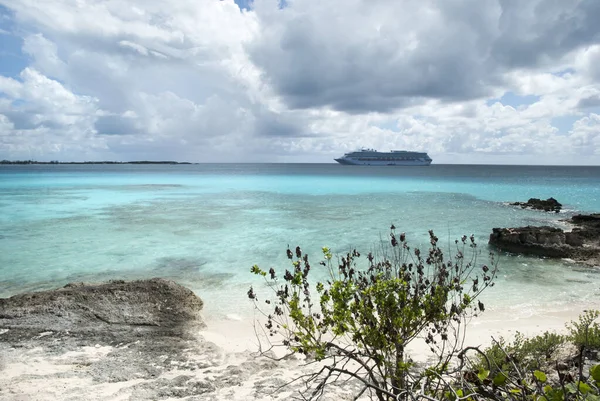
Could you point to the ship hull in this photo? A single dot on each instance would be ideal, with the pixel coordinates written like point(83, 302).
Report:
point(350, 162)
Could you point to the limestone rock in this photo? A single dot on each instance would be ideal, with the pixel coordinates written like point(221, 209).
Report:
point(154, 306)
point(582, 244)
point(540, 241)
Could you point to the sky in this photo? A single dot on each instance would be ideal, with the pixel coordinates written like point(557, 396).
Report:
point(468, 81)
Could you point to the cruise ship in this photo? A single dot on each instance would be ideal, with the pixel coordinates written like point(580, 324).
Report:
point(371, 157)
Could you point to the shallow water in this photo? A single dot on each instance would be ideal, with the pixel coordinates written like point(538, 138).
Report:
point(206, 225)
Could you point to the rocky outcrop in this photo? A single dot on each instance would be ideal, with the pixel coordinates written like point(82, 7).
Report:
point(540, 241)
point(587, 227)
point(548, 205)
point(582, 243)
point(114, 309)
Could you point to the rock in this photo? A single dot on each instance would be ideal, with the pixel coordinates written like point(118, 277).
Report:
point(587, 227)
point(540, 241)
point(582, 244)
point(548, 205)
point(142, 307)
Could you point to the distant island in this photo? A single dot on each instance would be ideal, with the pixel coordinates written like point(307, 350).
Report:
point(93, 162)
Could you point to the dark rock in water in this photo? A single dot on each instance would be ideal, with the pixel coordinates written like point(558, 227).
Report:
point(581, 244)
point(144, 307)
point(587, 227)
point(589, 220)
point(548, 205)
point(540, 241)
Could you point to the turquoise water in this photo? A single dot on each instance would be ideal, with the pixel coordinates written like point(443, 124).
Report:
point(206, 225)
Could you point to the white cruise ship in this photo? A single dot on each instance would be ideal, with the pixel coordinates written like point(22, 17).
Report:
point(371, 157)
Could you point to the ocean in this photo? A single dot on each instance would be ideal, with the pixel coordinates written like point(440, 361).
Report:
point(205, 225)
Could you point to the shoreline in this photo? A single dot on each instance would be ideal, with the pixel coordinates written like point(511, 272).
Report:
point(217, 362)
point(236, 334)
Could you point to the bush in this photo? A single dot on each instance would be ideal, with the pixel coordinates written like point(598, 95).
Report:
point(360, 321)
point(524, 353)
point(520, 370)
point(586, 331)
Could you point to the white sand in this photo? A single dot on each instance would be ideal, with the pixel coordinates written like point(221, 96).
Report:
point(232, 373)
point(238, 335)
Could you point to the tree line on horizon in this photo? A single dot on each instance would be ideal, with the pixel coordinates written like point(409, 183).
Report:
point(93, 162)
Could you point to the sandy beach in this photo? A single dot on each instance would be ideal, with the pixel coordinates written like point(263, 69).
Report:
point(220, 362)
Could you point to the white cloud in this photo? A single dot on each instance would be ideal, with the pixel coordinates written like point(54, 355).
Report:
point(585, 135)
point(45, 55)
point(138, 48)
point(5, 124)
point(41, 117)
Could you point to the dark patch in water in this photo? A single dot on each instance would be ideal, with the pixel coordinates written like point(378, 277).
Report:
point(585, 269)
point(189, 271)
point(208, 280)
point(572, 280)
point(180, 265)
point(153, 187)
point(185, 271)
point(71, 219)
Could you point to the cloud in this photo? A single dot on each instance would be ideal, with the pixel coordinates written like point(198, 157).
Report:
point(41, 117)
point(204, 80)
point(542, 32)
point(388, 55)
point(589, 102)
point(45, 55)
point(46, 98)
point(376, 56)
point(155, 77)
point(585, 135)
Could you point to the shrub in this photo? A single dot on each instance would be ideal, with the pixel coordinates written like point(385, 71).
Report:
point(586, 331)
point(360, 321)
point(524, 353)
point(519, 370)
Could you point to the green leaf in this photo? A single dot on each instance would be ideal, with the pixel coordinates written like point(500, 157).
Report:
point(540, 376)
point(571, 388)
point(516, 391)
point(499, 379)
point(558, 395)
point(551, 394)
point(483, 374)
point(257, 270)
point(584, 387)
point(595, 373)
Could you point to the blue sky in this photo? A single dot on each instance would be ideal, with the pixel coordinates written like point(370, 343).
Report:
point(244, 4)
point(12, 60)
point(209, 80)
